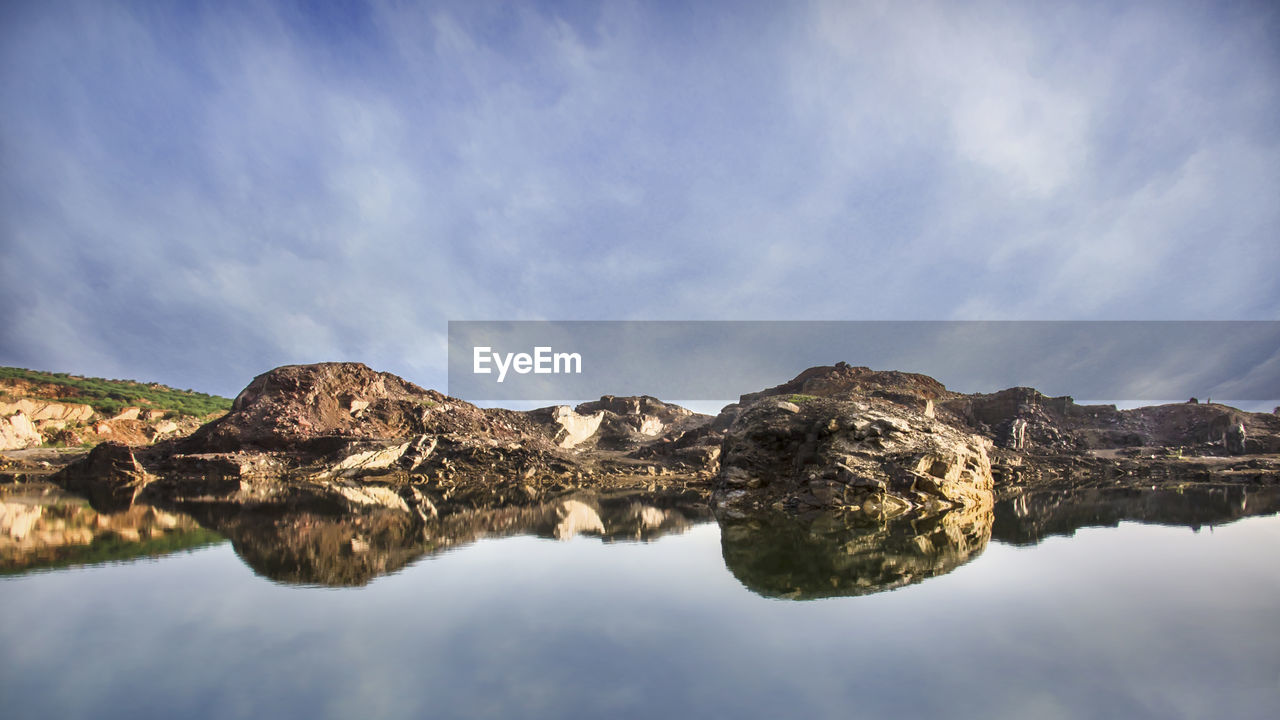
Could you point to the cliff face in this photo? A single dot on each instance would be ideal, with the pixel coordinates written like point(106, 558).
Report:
point(1024, 419)
point(41, 409)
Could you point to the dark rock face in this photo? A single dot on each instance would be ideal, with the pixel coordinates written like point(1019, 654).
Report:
point(111, 478)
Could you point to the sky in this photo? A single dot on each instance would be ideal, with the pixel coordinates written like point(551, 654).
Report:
point(194, 193)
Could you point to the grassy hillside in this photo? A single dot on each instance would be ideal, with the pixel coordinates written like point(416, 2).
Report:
point(108, 396)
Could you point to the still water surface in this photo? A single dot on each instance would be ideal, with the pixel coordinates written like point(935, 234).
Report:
point(758, 620)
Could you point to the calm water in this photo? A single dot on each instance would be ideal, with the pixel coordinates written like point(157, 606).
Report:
point(1030, 613)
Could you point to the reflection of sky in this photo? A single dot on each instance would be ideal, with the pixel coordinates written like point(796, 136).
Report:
point(1131, 621)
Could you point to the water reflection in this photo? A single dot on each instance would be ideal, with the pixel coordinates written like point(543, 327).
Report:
point(45, 529)
point(1029, 517)
point(352, 549)
point(773, 554)
point(834, 554)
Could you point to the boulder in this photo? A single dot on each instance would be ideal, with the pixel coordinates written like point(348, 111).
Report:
point(296, 407)
point(110, 477)
point(872, 455)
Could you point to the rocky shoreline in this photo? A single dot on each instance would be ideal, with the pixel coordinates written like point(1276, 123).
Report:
point(344, 438)
point(378, 470)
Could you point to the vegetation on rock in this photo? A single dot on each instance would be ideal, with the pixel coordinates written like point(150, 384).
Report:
point(109, 397)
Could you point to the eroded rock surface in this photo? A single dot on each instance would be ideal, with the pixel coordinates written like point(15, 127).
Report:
point(871, 454)
point(18, 432)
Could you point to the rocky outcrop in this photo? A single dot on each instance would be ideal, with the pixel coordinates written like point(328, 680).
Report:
point(18, 432)
point(110, 477)
point(305, 407)
point(1023, 419)
point(873, 455)
point(568, 427)
point(845, 381)
point(48, 410)
point(72, 424)
point(342, 438)
point(628, 423)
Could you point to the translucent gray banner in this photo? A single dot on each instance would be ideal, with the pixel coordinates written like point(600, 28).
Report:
point(714, 360)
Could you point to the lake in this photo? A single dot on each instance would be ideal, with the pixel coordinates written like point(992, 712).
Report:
point(1168, 608)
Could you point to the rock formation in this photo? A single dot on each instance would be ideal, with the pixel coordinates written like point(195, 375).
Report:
point(18, 432)
point(339, 438)
point(871, 454)
point(841, 481)
point(31, 422)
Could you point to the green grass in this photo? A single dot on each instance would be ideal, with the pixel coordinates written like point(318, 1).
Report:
point(801, 399)
point(111, 396)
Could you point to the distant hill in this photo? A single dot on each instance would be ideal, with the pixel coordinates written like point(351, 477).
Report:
point(108, 397)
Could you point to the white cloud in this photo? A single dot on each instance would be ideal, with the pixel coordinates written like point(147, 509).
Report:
point(244, 182)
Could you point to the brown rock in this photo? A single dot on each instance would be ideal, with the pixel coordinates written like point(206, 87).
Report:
point(110, 477)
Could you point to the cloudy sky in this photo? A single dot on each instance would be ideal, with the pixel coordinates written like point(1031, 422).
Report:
point(194, 193)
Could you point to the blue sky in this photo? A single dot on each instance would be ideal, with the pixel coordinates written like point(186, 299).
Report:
point(195, 193)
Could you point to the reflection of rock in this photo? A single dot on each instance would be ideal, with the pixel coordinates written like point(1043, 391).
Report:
point(314, 546)
point(1029, 517)
point(318, 548)
point(576, 518)
point(836, 554)
point(48, 529)
point(110, 477)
